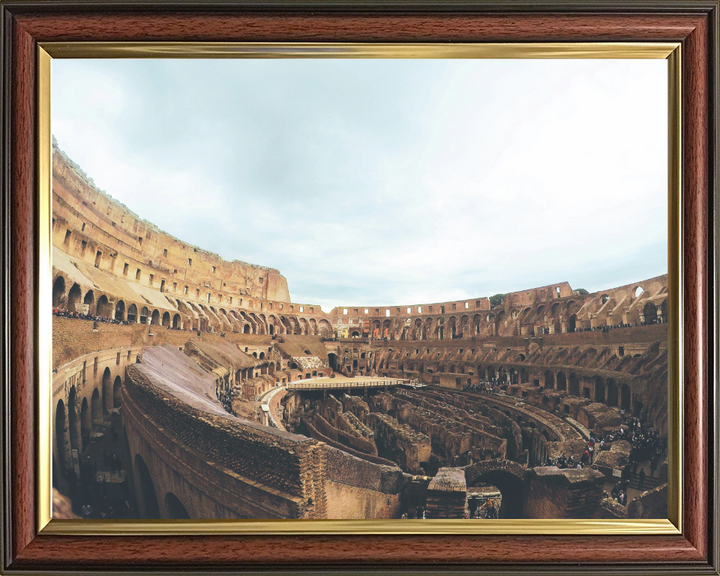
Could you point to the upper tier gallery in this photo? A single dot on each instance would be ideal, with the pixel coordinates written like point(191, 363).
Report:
point(187, 386)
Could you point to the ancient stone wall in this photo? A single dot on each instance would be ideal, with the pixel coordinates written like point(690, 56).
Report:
point(554, 493)
point(549, 310)
point(562, 369)
point(400, 442)
point(251, 456)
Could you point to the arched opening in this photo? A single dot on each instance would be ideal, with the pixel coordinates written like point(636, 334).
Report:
point(612, 393)
point(144, 313)
point(174, 508)
point(638, 291)
point(85, 424)
point(166, 319)
point(549, 379)
point(62, 438)
point(117, 385)
point(625, 397)
point(155, 318)
point(107, 391)
point(561, 381)
point(325, 329)
point(104, 308)
point(332, 360)
point(262, 356)
point(176, 321)
point(74, 298)
point(58, 291)
point(571, 323)
point(147, 498)
point(88, 301)
point(120, 310)
point(96, 408)
point(512, 489)
point(650, 313)
point(599, 390)
point(74, 421)
point(574, 385)
point(246, 330)
point(132, 314)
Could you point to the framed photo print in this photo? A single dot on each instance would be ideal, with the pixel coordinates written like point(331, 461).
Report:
point(356, 287)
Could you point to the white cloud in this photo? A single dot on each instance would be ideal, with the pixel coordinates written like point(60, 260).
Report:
point(386, 182)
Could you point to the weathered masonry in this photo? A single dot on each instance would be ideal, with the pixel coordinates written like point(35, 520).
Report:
point(232, 401)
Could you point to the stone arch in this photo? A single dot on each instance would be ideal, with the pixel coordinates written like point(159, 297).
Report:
point(132, 314)
point(574, 385)
point(650, 313)
point(549, 379)
point(104, 308)
point(58, 293)
point(155, 317)
point(147, 498)
point(120, 310)
point(117, 385)
point(174, 508)
point(247, 329)
point(612, 393)
point(572, 323)
point(144, 313)
point(96, 409)
point(85, 423)
point(177, 321)
point(259, 326)
point(166, 319)
point(106, 390)
point(561, 381)
point(74, 296)
point(62, 438)
point(74, 421)
point(88, 301)
point(304, 326)
point(508, 477)
point(625, 397)
point(325, 329)
point(599, 390)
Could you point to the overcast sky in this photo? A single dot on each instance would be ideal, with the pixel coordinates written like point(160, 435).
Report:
point(386, 181)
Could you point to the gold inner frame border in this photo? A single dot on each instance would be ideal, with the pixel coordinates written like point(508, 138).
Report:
point(189, 50)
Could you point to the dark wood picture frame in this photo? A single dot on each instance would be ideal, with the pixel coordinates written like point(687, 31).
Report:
point(693, 23)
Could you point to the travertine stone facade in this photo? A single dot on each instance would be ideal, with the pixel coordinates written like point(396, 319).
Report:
point(194, 352)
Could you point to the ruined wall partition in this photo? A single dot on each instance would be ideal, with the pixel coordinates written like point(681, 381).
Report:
point(221, 469)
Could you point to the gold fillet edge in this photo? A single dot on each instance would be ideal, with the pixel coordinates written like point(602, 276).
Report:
point(670, 51)
point(350, 527)
point(675, 289)
point(563, 50)
point(44, 295)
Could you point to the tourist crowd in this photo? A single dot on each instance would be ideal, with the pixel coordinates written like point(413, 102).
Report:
point(81, 316)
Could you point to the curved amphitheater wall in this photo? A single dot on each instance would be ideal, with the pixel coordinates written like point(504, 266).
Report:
point(108, 261)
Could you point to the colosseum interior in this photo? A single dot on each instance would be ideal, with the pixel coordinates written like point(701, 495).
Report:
point(186, 386)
